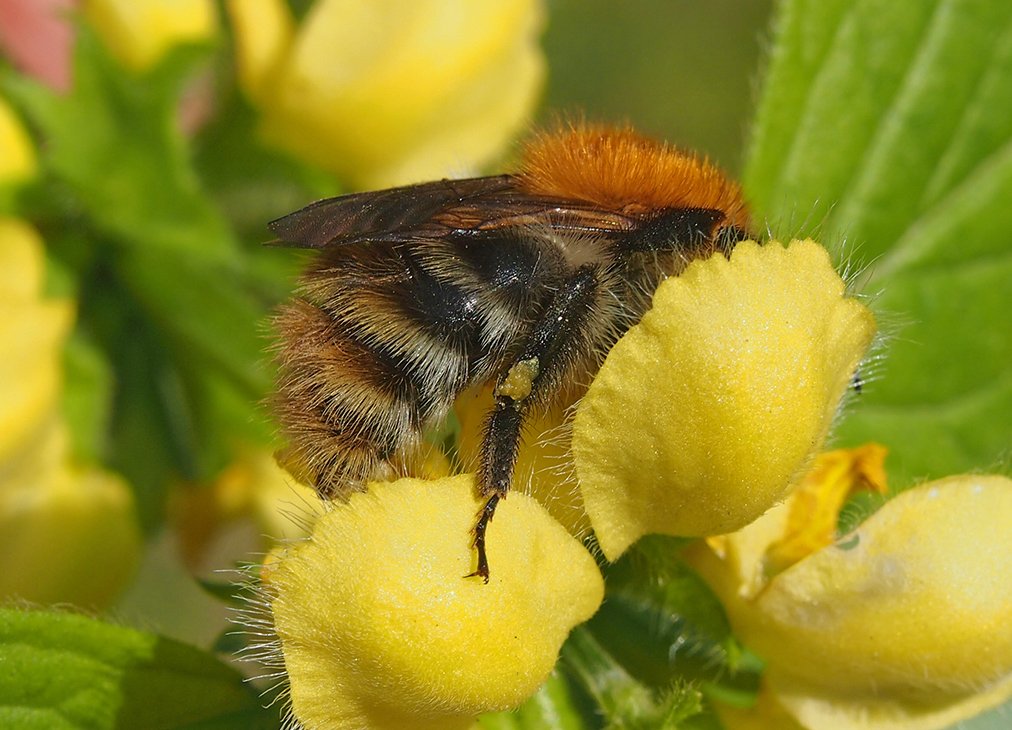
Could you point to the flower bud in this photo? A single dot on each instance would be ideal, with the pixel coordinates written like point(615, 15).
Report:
point(140, 32)
point(379, 627)
point(704, 413)
point(67, 535)
point(386, 92)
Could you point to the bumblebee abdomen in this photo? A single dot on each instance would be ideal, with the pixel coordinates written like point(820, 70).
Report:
point(342, 414)
point(383, 340)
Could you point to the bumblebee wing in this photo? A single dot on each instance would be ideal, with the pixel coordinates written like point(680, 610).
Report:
point(383, 214)
point(474, 206)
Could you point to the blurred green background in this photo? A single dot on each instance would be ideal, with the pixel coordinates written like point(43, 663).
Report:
point(685, 71)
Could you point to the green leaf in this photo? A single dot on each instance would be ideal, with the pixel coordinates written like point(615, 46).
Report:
point(889, 126)
point(625, 703)
point(114, 140)
point(206, 309)
point(660, 620)
point(250, 181)
point(150, 434)
point(63, 671)
point(87, 395)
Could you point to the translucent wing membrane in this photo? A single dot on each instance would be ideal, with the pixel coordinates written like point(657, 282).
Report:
point(444, 207)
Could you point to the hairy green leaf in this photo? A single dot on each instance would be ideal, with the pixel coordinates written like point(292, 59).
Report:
point(62, 671)
point(660, 620)
point(625, 703)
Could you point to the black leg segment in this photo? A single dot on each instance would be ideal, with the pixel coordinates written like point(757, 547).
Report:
point(554, 345)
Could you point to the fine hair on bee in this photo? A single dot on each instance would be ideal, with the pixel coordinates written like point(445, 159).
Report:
point(524, 280)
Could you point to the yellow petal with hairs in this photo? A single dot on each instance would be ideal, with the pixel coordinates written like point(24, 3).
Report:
point(814, 506)
point(804, 523)
point(544, 467)
point(380, 629)
point(903, 623)
point(706, 412)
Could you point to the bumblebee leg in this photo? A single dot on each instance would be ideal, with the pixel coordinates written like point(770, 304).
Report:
point(484, 517)
point(556, 342)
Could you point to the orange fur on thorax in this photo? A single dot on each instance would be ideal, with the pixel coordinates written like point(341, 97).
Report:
point(619, 169)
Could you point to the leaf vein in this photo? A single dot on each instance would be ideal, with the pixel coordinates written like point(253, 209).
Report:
point(906, 251)
point(807, 109)
point(969, 111)
point(891, 118)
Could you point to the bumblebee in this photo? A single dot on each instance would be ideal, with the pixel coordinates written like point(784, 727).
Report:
point(525, 280)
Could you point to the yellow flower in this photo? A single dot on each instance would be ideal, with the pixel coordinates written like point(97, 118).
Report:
point(815, 504)
point(252, 487)
point(380, 629)
point(140, 32)
point(386, 92)
point(904, 623)
point(32, 331)
point(255, 488)
point(17, 156)
point(705, 413)
point(67, 534)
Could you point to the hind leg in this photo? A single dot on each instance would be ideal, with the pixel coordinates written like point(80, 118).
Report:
point(561, 339)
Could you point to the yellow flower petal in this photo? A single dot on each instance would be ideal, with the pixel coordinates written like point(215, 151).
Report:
point(804, 523)
point(385, 92)
point(17, 156)
point(66, 536)
point(767, 714)
point(263, 32)
point(922, 577)
point(425, 461)
point(22, 262)
point(814, 506)
point(253, 487)
point(32, 332)
point(380, 629)
point(140, 32)
point(704, 414)
point(44, 450)
point(906, 619)
point(943, 713)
